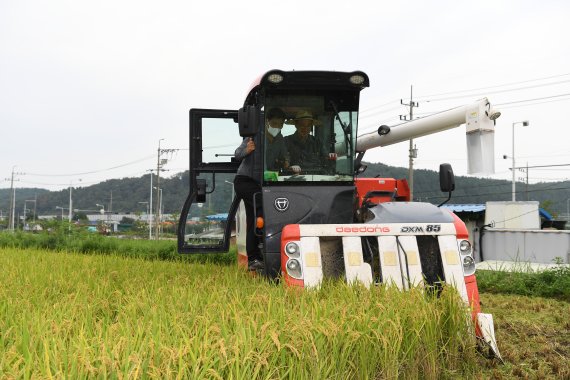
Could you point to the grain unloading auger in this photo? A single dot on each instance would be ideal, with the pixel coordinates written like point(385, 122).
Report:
point(325, 221)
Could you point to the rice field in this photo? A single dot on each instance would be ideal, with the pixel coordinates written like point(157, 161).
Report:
point(69, 315)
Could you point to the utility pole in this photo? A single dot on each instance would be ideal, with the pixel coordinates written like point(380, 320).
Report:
point(12, 203)
point(413, 151)
point(35, 207)
point(158, 167)
point(69, 215)
point(149, 215)
point(160, 162)
point(12, 211)
point(527, 181)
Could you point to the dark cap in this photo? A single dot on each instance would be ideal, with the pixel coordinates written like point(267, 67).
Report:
point(275, 113)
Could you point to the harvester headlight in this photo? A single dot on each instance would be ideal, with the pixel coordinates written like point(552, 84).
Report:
point(294, 268)
point(292, 250)
point(468, 265)
point(356, 79)
point(465, 247)
point(275, 78)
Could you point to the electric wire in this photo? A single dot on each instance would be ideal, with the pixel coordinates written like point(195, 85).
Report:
point(380, 112)
point(380, 106)
point(515, 217)
point(530, 100)
point(93, 171)
point(479, 89)
point(534, 104)
point(508, 104)
point(498, 193)
point(487, 93)
point(61, 184)
point(496, 86)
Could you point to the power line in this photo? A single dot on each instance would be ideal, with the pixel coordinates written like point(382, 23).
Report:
point(381, 112)
point(496, 86)
point(534, 104)
point(541, 166)
point(545, 155)
point(365, 111)
point(59, 184)
point(134, 174)
point(427, 114)
point(530, 100)
point(492, 92)
point(516, 216)
point(93, 171)
point(506, 183)
point(560, 179)
point(501, 193)
point(380, 106)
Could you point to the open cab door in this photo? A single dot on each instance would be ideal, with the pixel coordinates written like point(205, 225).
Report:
point(206, 221)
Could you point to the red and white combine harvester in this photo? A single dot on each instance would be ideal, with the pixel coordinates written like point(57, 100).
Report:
point(325, 221)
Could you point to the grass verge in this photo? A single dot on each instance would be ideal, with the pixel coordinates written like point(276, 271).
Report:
point(88, 243)
point(551, 283)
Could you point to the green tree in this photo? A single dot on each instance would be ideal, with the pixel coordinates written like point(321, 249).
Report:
point(80, 216)
point(127, 220)
point(548, 205)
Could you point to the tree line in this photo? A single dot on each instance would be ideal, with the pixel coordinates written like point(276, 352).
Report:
point(124, 195)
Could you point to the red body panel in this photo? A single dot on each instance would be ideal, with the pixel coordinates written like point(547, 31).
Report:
point(460, 228)
point(242, 260)
point(470, 281)
point(473, 295)
point(290, 232)
point(395, 189)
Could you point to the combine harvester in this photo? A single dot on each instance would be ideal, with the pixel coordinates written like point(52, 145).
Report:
point(325, 221)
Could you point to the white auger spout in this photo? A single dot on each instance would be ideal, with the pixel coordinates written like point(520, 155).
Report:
point(479, 118)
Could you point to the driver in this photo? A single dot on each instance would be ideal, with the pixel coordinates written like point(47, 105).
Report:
point(277, 157)
point(306, 151)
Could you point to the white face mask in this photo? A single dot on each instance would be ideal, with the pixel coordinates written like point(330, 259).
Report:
point(273, 131)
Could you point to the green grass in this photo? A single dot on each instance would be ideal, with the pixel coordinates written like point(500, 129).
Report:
point(69, 315)
point(551, 283)
point(89, 243)
point(533, 335)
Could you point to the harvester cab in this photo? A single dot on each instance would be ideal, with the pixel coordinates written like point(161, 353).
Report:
point(321, 192)
point(315, 218)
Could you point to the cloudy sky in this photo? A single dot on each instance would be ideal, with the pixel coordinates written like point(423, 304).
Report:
point(87, 88)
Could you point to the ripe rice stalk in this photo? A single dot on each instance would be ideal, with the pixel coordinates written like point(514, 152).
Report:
point(65, 314)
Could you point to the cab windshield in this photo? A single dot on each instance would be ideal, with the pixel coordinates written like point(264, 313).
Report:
point(310, 137)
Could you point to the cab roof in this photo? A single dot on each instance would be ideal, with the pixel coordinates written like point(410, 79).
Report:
point(334, 80)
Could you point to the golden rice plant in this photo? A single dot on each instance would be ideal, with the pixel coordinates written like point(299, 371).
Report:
point(66, 315)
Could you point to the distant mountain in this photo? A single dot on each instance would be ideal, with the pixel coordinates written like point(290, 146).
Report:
point(552, 195)
point(116, 195)
point(123, 195)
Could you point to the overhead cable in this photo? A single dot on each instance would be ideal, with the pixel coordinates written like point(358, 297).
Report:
point(495, 86)
point(93, 171)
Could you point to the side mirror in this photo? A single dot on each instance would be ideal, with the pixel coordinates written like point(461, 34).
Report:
point(359, 168)
point(200, 190)
point(446, 178)
point(446, 181)
point(248, 121)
